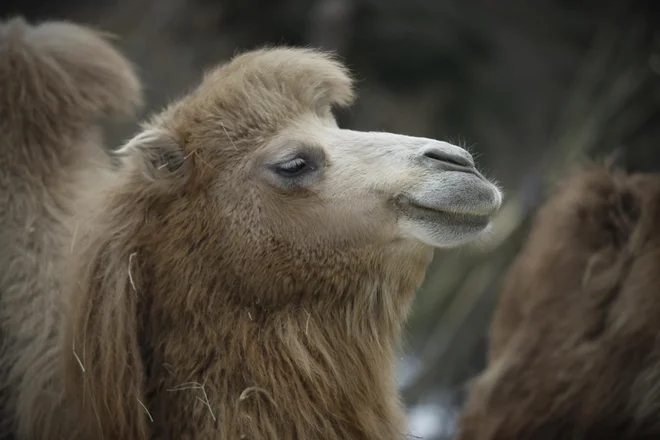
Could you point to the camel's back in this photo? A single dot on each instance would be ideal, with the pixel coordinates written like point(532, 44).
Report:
point(56, 80)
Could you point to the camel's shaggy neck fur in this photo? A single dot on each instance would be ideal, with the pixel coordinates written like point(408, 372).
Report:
point(269, 369)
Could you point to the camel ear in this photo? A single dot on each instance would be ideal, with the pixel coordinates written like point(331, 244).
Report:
point(72, 70)
point(155, 154)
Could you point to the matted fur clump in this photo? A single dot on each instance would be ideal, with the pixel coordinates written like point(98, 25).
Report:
point(245, 271)
point(575, 341)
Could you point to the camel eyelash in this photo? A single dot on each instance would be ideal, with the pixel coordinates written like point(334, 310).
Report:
point(295, 168)
point(293, 164)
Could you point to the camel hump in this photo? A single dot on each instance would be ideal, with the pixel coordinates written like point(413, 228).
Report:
point(55, 73)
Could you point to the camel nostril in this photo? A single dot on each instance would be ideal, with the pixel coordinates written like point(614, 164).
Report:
point(461, 161)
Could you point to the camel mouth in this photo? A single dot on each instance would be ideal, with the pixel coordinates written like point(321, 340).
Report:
point(445, 211)
point(476, 218)
point(446, 222)
point(477, 211)
point(464, 201)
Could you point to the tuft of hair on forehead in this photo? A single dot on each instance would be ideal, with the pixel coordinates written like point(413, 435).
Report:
point(282, 77)
point(243, 101)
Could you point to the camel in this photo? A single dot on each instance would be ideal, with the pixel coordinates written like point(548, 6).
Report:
point(244, 271)
point(574, 347)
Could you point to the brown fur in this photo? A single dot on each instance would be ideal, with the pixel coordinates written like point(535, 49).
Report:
point(574, 345)
point(56, 81)
point(192, 295)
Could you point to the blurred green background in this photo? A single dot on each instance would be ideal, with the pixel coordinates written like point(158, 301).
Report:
point(531, 87)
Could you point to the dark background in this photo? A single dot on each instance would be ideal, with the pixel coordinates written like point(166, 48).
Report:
point(532, 87)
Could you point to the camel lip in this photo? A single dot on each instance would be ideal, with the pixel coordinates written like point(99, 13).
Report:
point(463, 221)
point(475, 214)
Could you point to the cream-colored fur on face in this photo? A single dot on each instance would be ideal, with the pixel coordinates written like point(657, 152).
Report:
point(201, 290)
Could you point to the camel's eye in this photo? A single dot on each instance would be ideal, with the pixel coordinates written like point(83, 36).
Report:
point(293, 164)
point(294, 168)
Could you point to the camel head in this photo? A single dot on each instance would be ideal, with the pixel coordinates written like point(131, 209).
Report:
point(263, 126)
point(254, 161)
